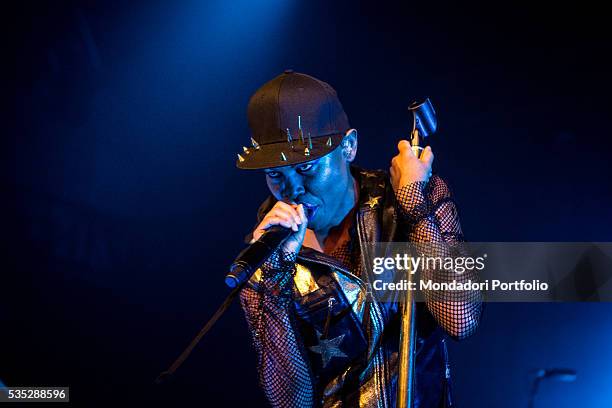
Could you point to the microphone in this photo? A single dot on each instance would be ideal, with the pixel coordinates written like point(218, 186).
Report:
point(251, 257)
point(560, 374)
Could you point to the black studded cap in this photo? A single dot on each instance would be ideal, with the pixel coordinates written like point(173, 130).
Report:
point(294, 118)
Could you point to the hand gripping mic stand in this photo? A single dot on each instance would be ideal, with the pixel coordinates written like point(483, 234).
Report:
point(425, 124)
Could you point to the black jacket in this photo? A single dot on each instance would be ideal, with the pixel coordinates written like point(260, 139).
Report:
point(365, 341)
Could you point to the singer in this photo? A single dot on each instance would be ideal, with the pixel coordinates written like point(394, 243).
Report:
point(319, 339)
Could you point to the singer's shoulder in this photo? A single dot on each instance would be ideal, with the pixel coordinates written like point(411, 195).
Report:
point(370, 179)
point(365, 174)
point(377, 179)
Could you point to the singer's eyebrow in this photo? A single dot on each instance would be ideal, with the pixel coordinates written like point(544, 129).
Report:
point(266, 171)
point(293, 166)
point(313, 162)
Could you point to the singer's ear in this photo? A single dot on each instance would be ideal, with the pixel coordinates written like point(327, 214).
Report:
point(349, 145)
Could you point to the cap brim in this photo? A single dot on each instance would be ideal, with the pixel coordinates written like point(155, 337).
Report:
point(273, 154)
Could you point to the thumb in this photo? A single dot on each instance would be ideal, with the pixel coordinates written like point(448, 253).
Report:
point(404, 147)
point(294, 242)
point(302, 227)
point(427, 156)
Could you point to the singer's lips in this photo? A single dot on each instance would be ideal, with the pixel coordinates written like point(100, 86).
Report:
point(310, 210)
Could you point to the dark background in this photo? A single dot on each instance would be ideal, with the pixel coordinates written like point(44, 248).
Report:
point(123, 207)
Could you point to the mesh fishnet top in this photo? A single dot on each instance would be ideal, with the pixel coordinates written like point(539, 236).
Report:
point(426, 213)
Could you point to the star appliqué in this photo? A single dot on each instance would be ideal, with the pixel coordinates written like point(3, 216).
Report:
point(328, 348)
point(374, 201)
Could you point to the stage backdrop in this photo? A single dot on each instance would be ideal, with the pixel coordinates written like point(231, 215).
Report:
point(123, 207)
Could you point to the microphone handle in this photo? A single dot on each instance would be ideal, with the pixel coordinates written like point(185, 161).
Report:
point(251, 257)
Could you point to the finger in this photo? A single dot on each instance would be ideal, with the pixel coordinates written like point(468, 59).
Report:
point(392, 172)
point(281, 213)
point(404, 147)
point(288, 209)
point(396, 162)
point(302, 213)
point(286, 217)
point(284, 210)
point(427, 156)
point(287, 214)
point(274, 217)
point(272, 220)
point(301, 216)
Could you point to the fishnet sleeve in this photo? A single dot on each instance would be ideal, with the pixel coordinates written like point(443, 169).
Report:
point(284, 373)
point(429, 217)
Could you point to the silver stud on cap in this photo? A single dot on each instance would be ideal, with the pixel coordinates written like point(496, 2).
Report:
point(289, 138)
point(255, 144)
point(300, 131)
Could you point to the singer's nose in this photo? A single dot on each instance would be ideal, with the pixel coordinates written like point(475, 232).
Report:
point(293, 188)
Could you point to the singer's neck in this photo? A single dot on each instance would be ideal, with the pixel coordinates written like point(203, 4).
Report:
point(327, 239)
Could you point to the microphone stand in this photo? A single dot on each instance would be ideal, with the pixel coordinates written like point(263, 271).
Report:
point(425, 123)
point(405, 382)
point(241, 270)
point(165, 375)
point(405, 392)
